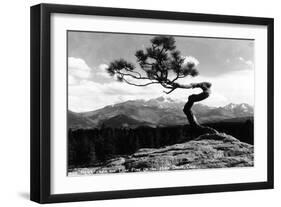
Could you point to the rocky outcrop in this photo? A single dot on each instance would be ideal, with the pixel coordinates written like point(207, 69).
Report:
point(207, 151)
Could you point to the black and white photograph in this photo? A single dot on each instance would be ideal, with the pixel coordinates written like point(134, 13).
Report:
point(133, 103)
point(144, 103)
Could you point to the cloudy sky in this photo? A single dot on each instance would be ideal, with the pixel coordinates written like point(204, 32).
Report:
point(227, 63)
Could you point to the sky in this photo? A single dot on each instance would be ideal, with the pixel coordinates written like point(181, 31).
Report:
point(227, 63)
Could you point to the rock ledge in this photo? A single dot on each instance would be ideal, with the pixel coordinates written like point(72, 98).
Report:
point(207, 151)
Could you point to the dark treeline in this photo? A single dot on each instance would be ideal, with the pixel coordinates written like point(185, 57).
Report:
point(244, 131)
point(89, 147)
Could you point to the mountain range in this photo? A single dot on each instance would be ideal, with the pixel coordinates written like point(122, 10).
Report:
point(161, 111)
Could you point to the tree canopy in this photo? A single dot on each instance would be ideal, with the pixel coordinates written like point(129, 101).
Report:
point(161, 63)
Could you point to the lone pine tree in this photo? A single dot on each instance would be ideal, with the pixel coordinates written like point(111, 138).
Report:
point(163, 64)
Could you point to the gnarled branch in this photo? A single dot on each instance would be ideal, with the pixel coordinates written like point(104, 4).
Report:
point(145, 84)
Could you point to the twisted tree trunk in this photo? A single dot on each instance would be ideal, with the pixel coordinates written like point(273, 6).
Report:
point(206, 91)
point(205, 86)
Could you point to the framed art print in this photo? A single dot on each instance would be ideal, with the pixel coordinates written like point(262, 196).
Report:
point(133, 103)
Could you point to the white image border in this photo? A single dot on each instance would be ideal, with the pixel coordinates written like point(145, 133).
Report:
point(61, 183)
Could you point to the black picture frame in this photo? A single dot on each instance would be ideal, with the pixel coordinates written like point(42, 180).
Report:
point(41, 95)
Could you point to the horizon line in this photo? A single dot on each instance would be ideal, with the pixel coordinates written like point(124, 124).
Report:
point(176, 100)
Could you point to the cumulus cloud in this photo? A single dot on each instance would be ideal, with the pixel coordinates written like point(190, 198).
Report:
point(72, 80)
point(190, 60)
point(236, 87)
point(90, 95)
point(92, 89)
point(101, 71)
point(77, 70)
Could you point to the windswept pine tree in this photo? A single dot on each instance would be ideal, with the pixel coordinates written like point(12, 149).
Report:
point(163, 64)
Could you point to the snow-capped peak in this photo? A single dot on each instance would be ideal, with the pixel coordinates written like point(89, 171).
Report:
point(239, 108)
point(244, 106)
point(230, 106)
point(161, 102)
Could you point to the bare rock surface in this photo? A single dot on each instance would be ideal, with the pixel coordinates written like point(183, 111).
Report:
point(207, 151)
